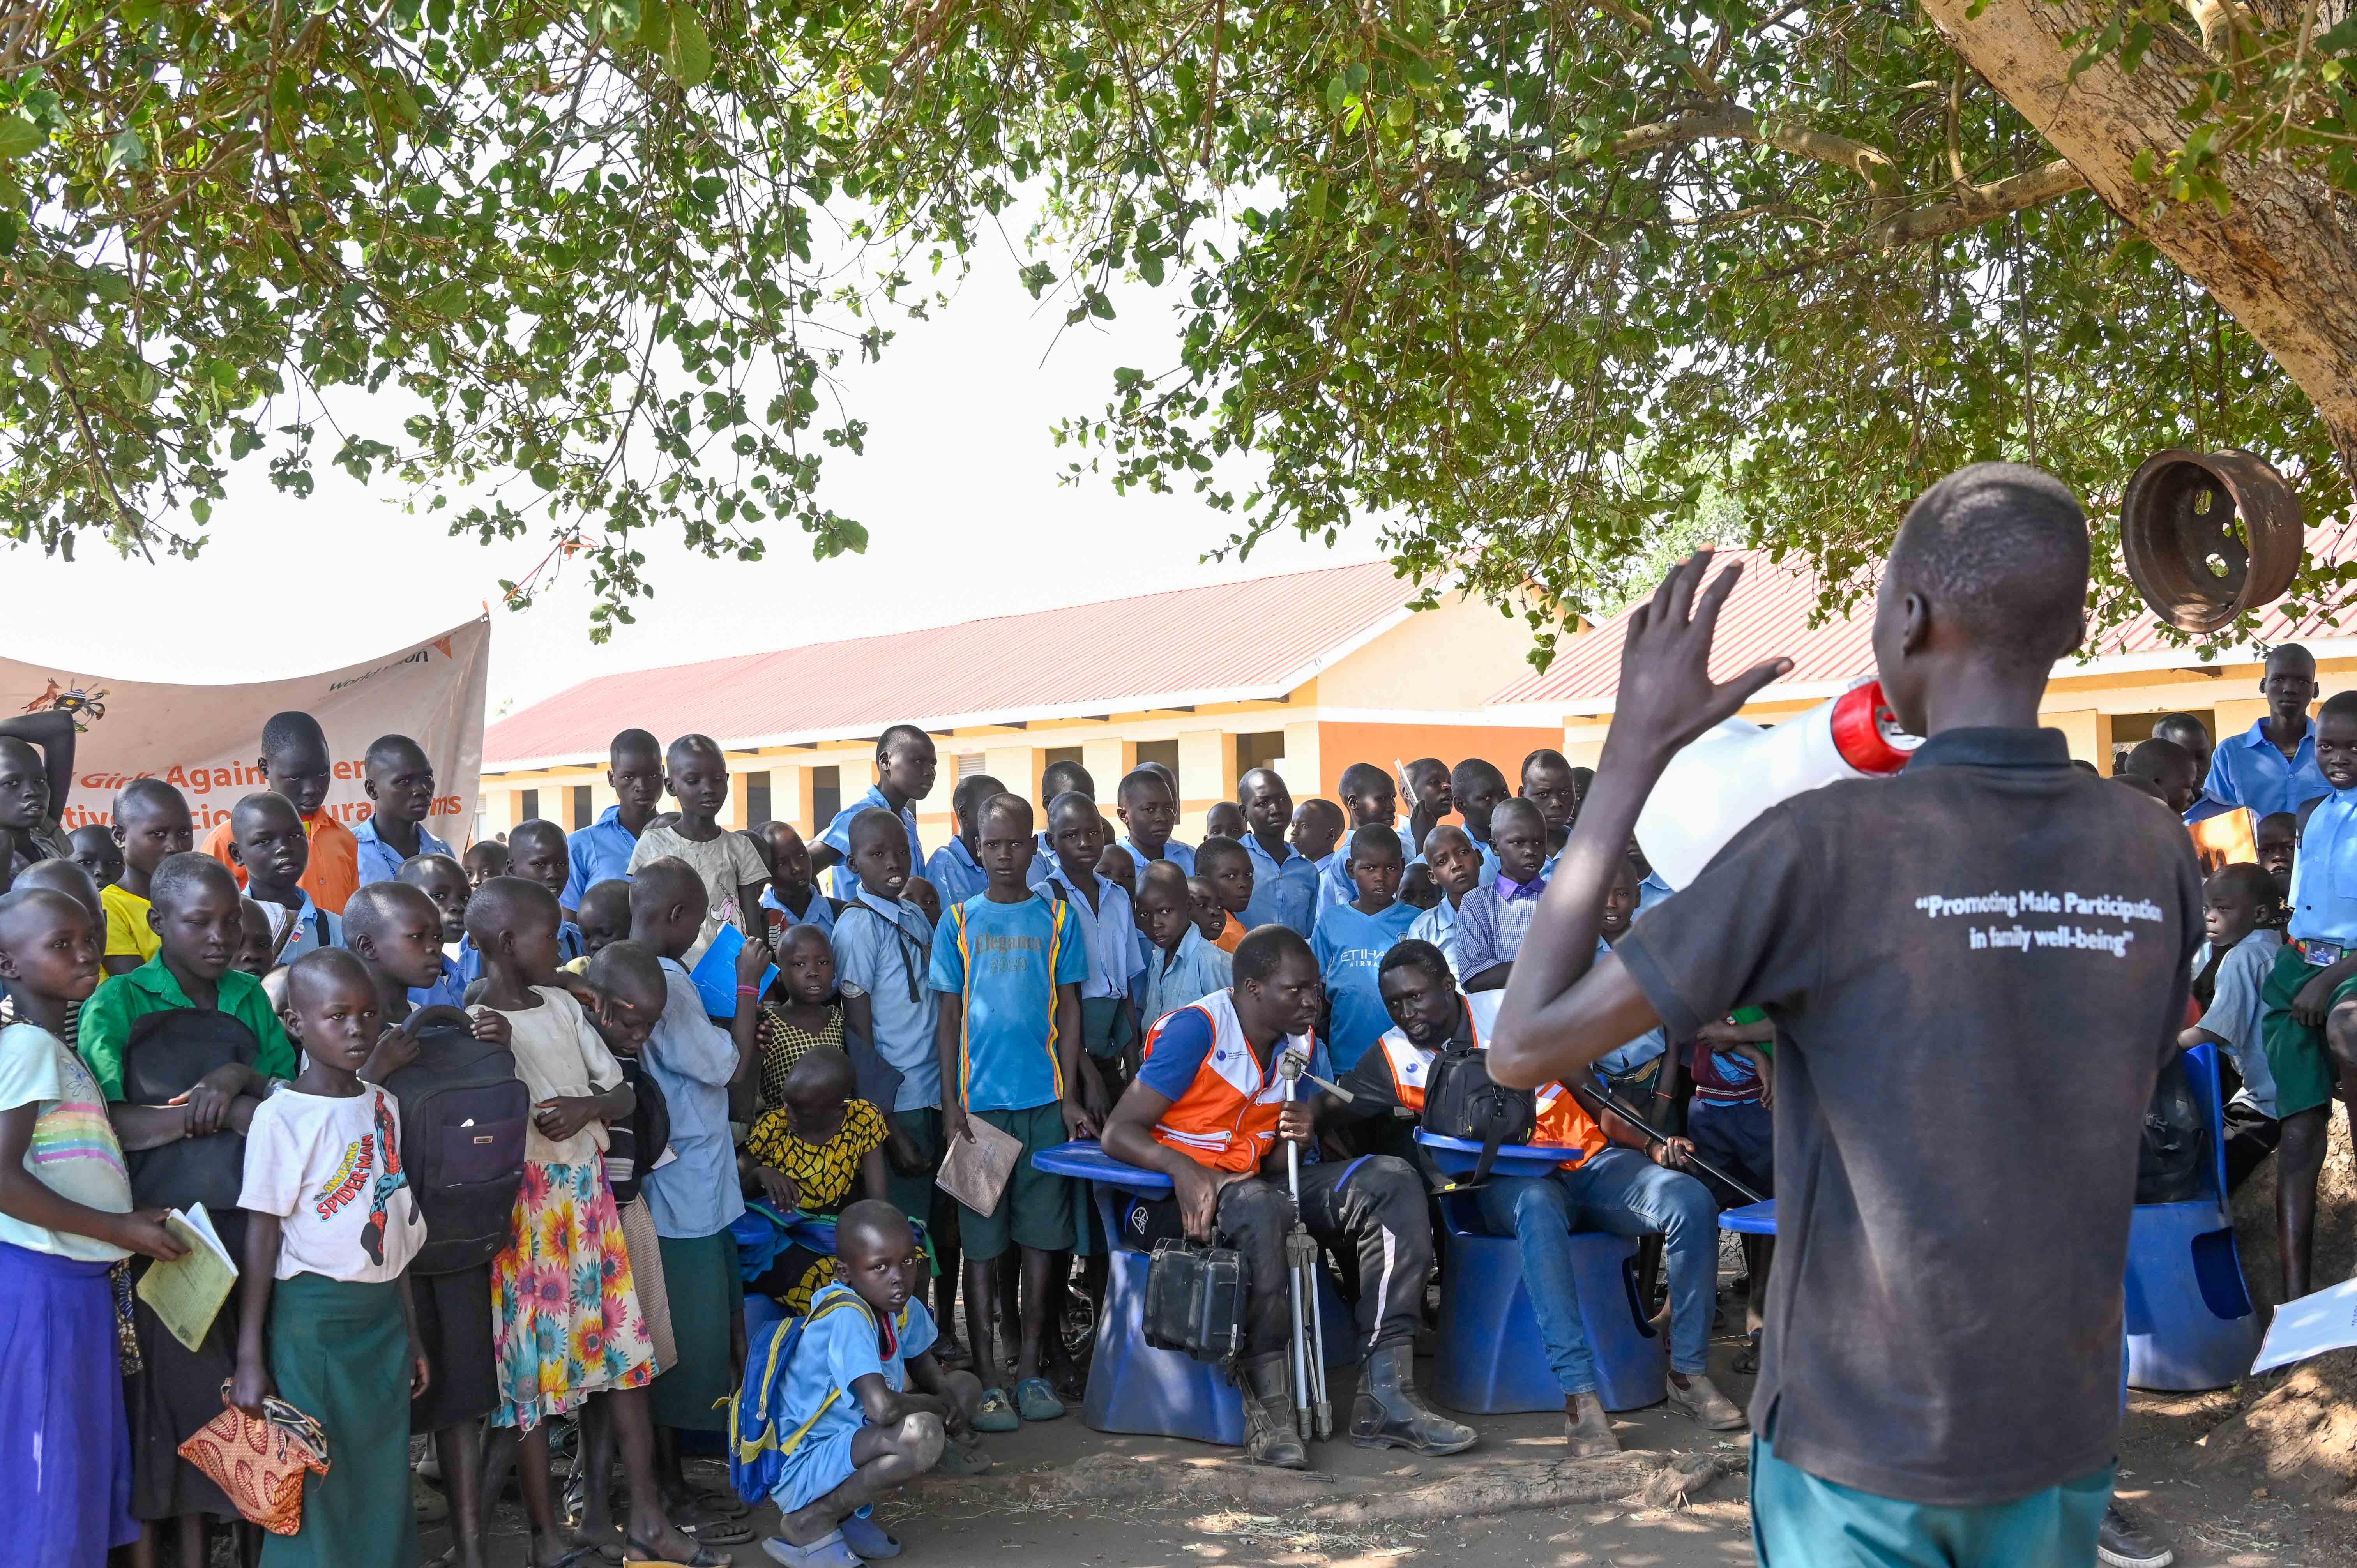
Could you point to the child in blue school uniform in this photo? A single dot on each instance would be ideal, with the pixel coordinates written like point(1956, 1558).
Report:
point(1352, 939)
point(1369, 796)
point(850, 1426)
point(1007, 967)
point(955, 870)
point(268, 840)
point(792, 897)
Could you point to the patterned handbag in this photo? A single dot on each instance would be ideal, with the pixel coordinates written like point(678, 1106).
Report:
point(260, 1461)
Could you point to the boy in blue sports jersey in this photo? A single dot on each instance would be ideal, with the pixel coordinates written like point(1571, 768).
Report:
point(1352, 939)
point(1007, 966)
point(858, 1431)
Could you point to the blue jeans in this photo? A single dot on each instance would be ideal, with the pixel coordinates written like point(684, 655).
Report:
point(1620, 1191)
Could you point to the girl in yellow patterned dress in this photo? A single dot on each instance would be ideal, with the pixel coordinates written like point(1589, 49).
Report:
point(819, 1151)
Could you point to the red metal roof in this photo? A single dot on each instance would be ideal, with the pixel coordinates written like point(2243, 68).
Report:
point(1224, 643)
point(1770, 614)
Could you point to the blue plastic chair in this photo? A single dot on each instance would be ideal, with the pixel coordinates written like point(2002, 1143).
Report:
point(1751, 1219)
point(1490, 1360)
point(1133, 1386)
point(2190, 1324)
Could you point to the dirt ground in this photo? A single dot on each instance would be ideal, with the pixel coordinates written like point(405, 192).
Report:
point(1026, 1514)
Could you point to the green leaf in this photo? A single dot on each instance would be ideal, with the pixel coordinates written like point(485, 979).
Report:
point(689, 55)
point(19, 136)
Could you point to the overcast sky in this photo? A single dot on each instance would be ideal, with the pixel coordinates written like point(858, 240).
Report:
point(958, 490)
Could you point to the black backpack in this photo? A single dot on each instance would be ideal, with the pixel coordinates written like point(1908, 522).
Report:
point(464, 1113)
point(1460, 1101)
point(163, 1057)
point(634, 1143)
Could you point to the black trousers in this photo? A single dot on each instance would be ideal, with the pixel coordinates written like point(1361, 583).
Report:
point(1373, 1209)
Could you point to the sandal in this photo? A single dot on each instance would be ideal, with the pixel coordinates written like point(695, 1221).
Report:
point(959, 1462)
point(719, 1532)
point(952, 1355)
point(638, 1555)
point(1746, 1360)
point(829, 1551)
point(1035, 1400)
point(869, 1540)
point(996, 1413)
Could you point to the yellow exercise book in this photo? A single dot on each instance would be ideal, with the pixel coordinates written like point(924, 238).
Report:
point(186, 1294)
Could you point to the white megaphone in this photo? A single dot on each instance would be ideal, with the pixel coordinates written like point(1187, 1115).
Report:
point(1713, 787)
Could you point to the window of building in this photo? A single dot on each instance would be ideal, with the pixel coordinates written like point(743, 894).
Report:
point(826, 797)
point(527, 805)
point(968, 763)
point(2131, 730)
point(1055, 754)
point(582, 810)
point(1261, 750)
point(757, 799)
point(1165, 752)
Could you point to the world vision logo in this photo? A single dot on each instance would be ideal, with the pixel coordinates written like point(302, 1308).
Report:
point(88, 705)
point(444, 644)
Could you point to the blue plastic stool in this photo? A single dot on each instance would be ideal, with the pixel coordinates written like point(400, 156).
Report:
point(2190, 1325)
point(1133, 1386)
point(1490, 1360)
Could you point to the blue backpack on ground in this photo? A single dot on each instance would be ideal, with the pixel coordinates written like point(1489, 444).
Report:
point(757, 1445)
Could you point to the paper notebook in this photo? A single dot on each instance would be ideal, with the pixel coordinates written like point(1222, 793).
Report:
point(185, 1294)
point(976, 1170)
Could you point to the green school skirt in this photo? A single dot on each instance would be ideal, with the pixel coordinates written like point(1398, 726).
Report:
point(339, 1353)
point(707, 1294)
point(2295, 1053)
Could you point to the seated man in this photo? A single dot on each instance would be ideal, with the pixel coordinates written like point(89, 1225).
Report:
point(1612, 1188)
point(1208, 1110)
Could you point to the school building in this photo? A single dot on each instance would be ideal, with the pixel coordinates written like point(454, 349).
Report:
point(2105, 699)
point(1305, 672)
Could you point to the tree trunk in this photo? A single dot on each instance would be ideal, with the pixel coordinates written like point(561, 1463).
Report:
point(2282, 262)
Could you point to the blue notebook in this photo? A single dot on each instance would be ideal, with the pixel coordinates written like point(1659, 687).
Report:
point(715, 974)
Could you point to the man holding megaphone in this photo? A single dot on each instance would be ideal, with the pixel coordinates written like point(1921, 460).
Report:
point(1946, 954)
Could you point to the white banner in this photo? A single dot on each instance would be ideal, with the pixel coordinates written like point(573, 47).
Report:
point(204, 740)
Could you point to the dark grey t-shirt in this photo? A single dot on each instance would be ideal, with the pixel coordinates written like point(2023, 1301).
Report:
point(1976, 971)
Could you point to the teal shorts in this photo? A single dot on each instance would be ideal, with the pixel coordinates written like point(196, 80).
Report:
point(1799, 1520)
point(1043, 1212)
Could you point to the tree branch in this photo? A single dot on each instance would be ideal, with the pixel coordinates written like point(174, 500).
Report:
point(1977, 204)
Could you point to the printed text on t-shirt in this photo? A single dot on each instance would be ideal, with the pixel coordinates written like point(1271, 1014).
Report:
point(2067, 935)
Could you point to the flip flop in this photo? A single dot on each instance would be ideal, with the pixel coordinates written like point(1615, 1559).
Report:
point(719, 1532)
point(959, 1462)
point(829, 1551)
point(1037, 1401)
point(996, 1413)
point(719, 1504)
point(869, 1540)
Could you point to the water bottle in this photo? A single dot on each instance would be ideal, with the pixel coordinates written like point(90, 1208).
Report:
point(1730, 773)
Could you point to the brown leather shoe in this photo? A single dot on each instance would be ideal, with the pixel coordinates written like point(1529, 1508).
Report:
point(1701, 1400)
point(1587, 1430)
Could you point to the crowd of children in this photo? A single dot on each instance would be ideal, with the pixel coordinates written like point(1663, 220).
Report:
point(238, 1027)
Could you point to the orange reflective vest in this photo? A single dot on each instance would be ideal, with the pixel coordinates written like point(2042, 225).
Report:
point(1227, 1119)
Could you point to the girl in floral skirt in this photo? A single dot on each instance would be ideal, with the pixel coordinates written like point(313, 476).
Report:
point(566, 1316)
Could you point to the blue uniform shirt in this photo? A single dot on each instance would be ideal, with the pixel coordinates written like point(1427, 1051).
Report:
point(1437, 926)
point(1006, 960)
point(1175, 980)
point(2324, 877)
point(695, 1194)
point(842, 1345)
point(954, 872)
point(1285, 891)
point(1625, 1059)
point(821, 913)
point(838, 838)
point(2249, 772)
point(885, 948)
point(1350, 945)
point(1109, 931)
point(1179, 855)
point(378, 861)
point(598, 852)
point(314, 929)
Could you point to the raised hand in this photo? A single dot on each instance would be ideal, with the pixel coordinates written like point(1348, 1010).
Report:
point(1667, 697)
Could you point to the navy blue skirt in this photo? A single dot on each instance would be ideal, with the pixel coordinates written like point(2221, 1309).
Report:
point(65, 1447)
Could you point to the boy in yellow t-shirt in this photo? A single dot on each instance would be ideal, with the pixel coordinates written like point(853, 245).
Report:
point(151, 821)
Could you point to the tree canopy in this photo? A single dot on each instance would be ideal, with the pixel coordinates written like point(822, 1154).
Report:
point(1526, 279)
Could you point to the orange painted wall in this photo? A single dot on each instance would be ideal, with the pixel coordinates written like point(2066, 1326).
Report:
point(1340, 745)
